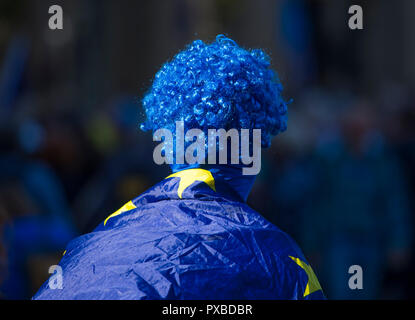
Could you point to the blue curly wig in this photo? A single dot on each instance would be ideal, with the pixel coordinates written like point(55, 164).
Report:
point(217, 85)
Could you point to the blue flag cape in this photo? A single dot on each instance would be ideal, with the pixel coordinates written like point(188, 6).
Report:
point(191, 236)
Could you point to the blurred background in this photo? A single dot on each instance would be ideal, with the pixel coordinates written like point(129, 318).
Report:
point(340, 181)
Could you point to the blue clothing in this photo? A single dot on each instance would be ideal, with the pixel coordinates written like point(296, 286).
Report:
point(45, 229)
point(191, 236)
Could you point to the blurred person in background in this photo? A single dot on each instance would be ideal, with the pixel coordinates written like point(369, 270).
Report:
point(360, 205)
point(38, 222)
point(36, 218)
point(398, 110)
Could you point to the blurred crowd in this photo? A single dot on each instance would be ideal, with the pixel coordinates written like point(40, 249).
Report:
point(340, 181)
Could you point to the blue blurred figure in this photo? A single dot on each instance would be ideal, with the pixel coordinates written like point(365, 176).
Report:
point(360, 205)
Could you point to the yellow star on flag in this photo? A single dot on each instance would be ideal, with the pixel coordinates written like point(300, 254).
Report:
point(127, 207)
point(312, 284)
point(187, 177)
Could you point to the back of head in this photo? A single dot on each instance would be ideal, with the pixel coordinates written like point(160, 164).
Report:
point(217, 86)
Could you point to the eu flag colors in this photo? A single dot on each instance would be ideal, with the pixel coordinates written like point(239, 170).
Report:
point(188, 237)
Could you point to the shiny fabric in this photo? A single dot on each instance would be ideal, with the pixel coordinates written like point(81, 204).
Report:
point(208, 244)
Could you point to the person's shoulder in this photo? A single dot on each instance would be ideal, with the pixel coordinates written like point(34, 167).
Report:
point(279, 253)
